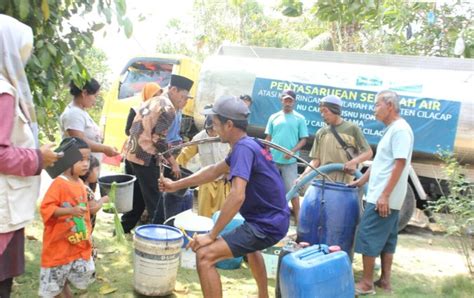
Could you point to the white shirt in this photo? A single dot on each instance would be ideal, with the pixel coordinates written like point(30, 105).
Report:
point(210, 153)
point(396, 143)
point(77, 119)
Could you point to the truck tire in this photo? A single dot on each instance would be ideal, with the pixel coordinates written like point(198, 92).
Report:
point(408, 208)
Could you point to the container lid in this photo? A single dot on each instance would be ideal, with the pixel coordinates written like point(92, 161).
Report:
point(158, 232)
point(189, 221)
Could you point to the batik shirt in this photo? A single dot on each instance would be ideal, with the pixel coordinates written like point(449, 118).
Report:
point(149, 129)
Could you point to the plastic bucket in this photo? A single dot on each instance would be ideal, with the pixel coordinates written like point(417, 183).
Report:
point(191, 223)
point(123, 193)
point(270, 258)
point(231, 263)
point(156, 259)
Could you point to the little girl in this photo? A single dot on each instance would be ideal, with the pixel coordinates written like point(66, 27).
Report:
point(66, 255)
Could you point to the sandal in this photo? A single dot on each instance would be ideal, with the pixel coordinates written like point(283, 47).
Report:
point(360, 292)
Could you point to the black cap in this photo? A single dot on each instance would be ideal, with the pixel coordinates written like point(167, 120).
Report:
point(181, 82)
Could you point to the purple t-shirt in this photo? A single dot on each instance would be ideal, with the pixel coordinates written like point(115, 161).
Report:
point(265, 207)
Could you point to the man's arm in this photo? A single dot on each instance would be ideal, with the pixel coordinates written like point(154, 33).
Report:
point(383, 201)
point(204, 175)
point(231, 206)
point(300, 145)
point(362, 180)
point(363, 147)
point(351, 165)
point(314, 163)
point(95, 147)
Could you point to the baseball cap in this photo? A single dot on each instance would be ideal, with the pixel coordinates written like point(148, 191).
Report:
point(230, 107)
point(333, 99)
point(288, 94)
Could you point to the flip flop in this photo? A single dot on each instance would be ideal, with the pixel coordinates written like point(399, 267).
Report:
point(360, 292)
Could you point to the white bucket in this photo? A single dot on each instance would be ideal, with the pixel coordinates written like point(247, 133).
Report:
point(270, 258)
point(191, 223)
point(156, 259)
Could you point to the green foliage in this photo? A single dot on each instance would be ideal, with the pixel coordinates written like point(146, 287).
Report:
point(62, 40)
point(238, 22)
point(457, 206)
point(393, 26)
point(425, 29)
point(291, 8)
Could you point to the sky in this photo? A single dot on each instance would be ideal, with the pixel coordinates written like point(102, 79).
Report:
point(157, 13)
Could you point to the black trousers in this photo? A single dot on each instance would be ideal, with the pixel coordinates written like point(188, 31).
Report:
point(6, 287)
point(145, 195)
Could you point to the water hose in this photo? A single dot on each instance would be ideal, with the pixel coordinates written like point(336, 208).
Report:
point(265, 142)
point(311, 175)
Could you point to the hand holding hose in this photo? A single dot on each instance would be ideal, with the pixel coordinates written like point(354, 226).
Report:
point(200, 240)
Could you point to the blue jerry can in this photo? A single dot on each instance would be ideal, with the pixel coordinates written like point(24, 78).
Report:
point(314, 272)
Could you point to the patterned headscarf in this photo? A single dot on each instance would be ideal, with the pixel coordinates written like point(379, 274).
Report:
point(16, 45)
point(150, 90)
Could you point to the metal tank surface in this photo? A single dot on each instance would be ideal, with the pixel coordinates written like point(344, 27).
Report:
point(436, 92)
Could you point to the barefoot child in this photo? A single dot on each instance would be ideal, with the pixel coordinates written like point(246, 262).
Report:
point(66, 256)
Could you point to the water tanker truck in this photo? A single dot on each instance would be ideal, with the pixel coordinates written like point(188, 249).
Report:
point(436, 100)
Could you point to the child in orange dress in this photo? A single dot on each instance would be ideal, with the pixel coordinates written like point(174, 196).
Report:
point(66, 255)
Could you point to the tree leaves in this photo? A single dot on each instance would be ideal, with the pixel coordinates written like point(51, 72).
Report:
point(292, 8)
point(128, 28)
point(45, 9)
point(60, 48)
point(382, 25)
point(97, 26)
point(23, 8)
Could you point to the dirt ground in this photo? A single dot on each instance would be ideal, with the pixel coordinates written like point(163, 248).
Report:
point(425, 265)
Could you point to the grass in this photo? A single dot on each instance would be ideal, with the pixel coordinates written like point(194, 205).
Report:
point(414, 275)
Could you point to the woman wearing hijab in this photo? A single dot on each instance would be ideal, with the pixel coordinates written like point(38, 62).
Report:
point(20, 161)
point(76, 122)
point(131, 218)
point(149, 90)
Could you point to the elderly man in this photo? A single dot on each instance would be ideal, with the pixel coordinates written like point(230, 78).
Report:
point(252, 174)
point(287, 128)
point(338, 142)
point(388, 178)
point(148, 138)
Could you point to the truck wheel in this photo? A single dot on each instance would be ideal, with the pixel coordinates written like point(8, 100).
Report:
point(408, 208)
